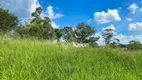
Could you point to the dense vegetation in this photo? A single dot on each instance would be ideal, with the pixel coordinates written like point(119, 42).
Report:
point(37, 60)
point(27, 53)
point(40, 28)
point(7, 21)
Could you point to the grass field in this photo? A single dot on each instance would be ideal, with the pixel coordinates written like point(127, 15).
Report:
point(38, 60)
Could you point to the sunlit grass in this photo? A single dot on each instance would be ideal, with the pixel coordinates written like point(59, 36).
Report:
point(40, 60)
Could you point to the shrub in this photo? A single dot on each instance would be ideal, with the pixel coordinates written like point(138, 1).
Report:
point(134, 45)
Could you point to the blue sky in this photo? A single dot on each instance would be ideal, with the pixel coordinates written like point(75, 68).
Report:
point(123, 15)
point(76, 11)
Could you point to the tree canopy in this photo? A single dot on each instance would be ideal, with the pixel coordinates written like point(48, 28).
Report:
point(8, 21)
point(107, 35)
point(83, 31)
point(41, 28)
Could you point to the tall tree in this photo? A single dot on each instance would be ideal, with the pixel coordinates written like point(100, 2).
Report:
point(48, 31)
point(83, 31)
point(8, 21)
point(68, 34)
point(107, 35)
point(36, 16)
point(36, 23)
point(59, 34)
point(40, 27)
point(115, 43)
point(93, 41)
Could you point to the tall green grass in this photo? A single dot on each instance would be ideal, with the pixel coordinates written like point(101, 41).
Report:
point(40, 60)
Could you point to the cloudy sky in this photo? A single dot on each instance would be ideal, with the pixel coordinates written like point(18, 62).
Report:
point(125, 16)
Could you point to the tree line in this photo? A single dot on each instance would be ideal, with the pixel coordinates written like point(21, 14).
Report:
point(42, 29)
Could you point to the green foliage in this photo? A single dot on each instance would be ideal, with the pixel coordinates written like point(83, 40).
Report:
point(41, 28)
point(36, 60)
point(82, 32)
point(23, 31)
point(38, 27)
point(37, 13)
point(115, 43)
point(92, 41)
point(68, 34)
point(59, 34)
point(134, 45)
point(35, 30)
point(8, 21)
point(48, 32)
point(107, 35)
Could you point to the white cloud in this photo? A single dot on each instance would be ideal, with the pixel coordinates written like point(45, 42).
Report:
point(133, 8)
point(129, 19)
point(51, 13)
point(22, 8)
point(135, 26)
point(110, 27)
point(54, 25)
point(125, 39)
point(101, 41)
point(105, 17)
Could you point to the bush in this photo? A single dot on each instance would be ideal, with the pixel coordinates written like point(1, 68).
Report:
point(8, 21)
point(134, 45)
